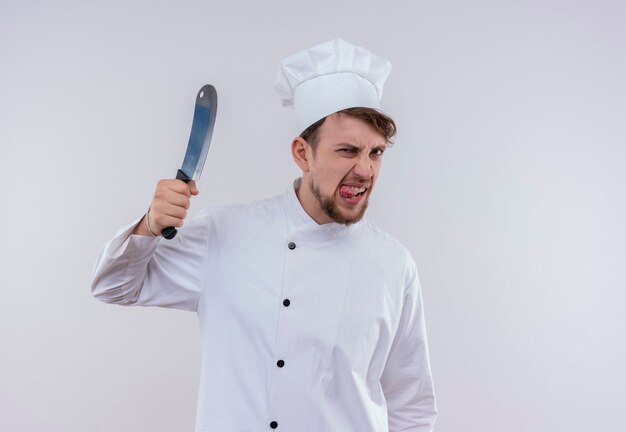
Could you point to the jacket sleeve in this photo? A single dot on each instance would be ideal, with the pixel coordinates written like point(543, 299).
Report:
point(151, 271)
point(407, 380)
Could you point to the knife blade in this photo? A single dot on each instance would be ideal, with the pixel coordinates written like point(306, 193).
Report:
point(199, 141)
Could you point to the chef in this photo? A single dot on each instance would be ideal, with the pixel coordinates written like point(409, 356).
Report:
point(311, 318)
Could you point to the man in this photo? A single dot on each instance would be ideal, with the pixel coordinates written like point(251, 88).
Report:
point(311, 318)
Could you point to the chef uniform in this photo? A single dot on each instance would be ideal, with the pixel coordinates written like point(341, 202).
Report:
point(304, 327)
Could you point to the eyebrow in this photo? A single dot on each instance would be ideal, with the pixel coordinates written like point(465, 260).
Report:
point(351, 146)
point(357, 147)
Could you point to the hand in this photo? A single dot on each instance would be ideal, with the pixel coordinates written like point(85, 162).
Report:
point(168, 207)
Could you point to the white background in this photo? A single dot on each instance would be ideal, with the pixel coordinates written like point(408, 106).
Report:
point(507, 183)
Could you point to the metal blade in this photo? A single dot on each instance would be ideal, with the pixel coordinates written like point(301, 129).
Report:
point(201, 132)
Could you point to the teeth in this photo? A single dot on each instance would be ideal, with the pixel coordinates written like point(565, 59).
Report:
point(357, 190)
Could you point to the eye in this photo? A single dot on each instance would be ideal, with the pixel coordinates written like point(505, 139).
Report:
point(347, 150)
point(377, 152)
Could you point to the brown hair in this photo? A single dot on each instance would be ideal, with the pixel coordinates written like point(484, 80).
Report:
point(382, 123)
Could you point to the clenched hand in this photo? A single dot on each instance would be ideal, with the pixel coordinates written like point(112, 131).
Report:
point(168, 208)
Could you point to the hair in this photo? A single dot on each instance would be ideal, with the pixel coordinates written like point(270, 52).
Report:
point(382, 123)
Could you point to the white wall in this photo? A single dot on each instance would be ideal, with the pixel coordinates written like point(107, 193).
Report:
point(507, 183)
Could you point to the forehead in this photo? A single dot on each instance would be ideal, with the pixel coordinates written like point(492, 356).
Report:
point(346, 129)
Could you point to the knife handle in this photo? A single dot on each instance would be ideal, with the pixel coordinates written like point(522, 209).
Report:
point(170, 232)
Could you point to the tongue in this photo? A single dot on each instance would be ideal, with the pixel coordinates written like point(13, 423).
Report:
point(346, 192)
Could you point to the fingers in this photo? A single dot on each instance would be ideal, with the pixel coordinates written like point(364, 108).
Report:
point(163, 214)
point(177, 186)
point(170, 203)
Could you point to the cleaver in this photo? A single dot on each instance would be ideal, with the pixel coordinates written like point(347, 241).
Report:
point(199, 141)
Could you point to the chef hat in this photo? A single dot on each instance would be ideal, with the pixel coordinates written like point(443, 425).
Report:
point(330, 77)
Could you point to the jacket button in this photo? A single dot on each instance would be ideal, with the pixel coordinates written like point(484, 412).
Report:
point(273, 425)
point(280, 363)
point(286, 302)
point(291, 245)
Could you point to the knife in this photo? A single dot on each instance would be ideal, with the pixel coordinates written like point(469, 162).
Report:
point(199, 141)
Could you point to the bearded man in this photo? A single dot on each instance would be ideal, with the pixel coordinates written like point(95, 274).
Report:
point(311, 317)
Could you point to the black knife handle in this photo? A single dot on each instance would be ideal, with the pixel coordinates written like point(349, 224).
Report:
point(170, 232)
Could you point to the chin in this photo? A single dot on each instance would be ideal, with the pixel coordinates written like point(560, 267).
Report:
point(343, 217)
point(331, 206)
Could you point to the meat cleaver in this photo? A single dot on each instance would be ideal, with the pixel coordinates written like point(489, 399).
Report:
point(199, 141)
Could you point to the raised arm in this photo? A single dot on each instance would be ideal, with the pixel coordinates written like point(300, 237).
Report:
point(137, 267)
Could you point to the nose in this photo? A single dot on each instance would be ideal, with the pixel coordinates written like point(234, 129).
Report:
point(363, 167)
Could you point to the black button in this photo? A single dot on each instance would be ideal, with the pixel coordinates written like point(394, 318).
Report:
point(273, 425)
point(286, 302)
point(291, 245)
point(280, 363)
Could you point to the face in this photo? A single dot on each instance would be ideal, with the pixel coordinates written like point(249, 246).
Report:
point(338, 177)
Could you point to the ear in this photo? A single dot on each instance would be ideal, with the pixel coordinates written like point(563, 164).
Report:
point(301, 153)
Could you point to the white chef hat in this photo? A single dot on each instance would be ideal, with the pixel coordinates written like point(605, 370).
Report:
point(330, 77)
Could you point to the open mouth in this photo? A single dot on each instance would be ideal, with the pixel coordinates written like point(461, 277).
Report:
point(351, 192)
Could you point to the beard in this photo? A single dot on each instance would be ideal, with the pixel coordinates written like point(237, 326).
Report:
point(329, 206)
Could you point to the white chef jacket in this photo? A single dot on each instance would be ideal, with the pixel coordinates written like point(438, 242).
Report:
point(304, 327)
